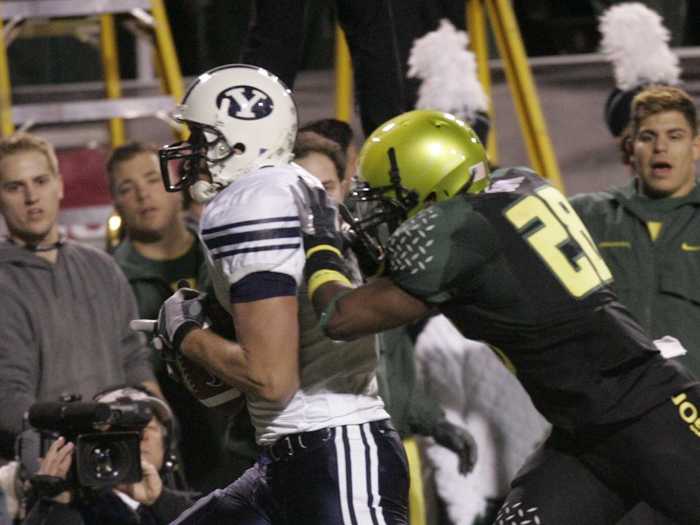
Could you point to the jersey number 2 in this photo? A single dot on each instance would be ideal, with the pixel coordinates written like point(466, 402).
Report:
point(559, 225)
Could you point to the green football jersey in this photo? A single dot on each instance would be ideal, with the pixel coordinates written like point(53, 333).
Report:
point(515, 267)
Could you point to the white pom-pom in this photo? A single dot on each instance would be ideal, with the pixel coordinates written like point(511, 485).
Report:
point(448, 73)
point(635, 41)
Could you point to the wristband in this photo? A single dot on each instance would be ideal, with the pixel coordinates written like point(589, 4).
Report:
point(321, 277)
point(324, 264)
point(322, 247)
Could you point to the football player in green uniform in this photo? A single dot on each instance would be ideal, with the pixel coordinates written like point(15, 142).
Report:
point(508, 261)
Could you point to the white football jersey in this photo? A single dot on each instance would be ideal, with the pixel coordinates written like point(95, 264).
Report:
point(253, 226)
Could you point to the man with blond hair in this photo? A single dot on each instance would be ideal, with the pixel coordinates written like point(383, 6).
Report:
point(66, 307)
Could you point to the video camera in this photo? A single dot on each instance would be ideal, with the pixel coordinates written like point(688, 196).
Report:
point(107, 438)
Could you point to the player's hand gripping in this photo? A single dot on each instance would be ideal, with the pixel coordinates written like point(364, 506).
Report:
point(179, 313)
point(318, 217)
point(458, 440)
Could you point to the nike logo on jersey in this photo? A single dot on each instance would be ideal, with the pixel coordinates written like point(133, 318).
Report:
point(690, 247)
point(688, 412)
point(505, 186)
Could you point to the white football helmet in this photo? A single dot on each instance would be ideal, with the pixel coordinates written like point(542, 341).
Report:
point(241, 117)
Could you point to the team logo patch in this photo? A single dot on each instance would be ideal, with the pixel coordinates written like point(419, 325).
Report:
point(246, 102)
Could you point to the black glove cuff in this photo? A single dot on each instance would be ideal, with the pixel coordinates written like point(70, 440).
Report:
point(184, 329)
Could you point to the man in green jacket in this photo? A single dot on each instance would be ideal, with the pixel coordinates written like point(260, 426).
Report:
point(649, 231)
point(159, 251)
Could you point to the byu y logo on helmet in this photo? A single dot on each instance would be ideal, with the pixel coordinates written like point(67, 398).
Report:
point(246, 102)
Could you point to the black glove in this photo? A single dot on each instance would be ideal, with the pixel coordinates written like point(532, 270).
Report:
point(323, 243)
point(459, 441)
point(180, 313)
point(318, 216)
point(367, 250)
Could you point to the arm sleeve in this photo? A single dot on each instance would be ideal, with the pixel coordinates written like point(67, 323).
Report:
point(19, 369)
point(133, 345)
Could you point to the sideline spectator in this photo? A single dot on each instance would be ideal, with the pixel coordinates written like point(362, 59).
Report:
point(648, 232)
point(342, 134)
point(66, 307)
point(158, 252)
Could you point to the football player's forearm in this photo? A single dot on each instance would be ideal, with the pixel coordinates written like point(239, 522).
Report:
point(370, 309)
point(231, 363)
point(268, 331)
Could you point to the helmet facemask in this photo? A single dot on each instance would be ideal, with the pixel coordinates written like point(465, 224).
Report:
point(379, 211)
point(183, 163)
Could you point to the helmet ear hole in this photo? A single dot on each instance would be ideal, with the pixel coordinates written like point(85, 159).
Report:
point(238, 148)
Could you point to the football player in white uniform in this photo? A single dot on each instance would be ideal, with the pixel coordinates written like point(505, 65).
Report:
point(314, 404)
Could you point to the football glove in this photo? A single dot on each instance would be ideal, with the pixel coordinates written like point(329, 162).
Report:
point(322, 241)
point(459, 441)
point(179, 314)
point(367, 250)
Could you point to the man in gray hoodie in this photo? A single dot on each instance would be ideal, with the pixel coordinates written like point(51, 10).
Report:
point(66, 307)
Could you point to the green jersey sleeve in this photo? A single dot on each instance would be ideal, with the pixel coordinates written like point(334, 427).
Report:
point(438, 253)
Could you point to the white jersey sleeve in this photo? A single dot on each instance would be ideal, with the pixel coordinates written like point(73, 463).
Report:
point(253, 226)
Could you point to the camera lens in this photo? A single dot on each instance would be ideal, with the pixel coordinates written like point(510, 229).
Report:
point(108, 459)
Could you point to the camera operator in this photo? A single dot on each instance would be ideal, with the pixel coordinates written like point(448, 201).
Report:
point(153, 500)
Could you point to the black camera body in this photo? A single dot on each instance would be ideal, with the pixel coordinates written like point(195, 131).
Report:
point(107, 438)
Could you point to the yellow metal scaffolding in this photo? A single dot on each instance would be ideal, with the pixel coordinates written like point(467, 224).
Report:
point(114, 107)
